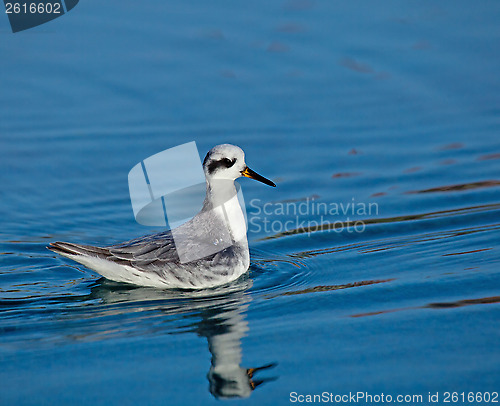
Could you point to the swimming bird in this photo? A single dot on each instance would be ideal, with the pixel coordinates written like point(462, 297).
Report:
point(209, 250)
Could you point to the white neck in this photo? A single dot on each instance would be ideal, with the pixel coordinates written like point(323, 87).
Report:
point(222, 198)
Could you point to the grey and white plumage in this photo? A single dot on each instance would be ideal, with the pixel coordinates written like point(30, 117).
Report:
point(154, 260)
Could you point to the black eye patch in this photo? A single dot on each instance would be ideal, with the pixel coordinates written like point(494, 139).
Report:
point(221, 163)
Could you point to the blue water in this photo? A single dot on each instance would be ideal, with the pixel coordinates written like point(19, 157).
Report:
point(393, 107)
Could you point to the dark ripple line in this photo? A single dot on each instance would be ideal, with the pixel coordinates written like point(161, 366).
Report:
point(395, 242)
point(395, 219)
point(436, 305)
point(329, 288)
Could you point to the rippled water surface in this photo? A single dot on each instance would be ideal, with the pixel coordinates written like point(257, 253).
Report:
point(375, 262)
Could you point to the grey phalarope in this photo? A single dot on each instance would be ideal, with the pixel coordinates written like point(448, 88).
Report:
point(153, 260)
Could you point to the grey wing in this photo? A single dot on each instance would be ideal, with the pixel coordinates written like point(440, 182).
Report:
point(156, 254)
point(150, 253)
point(146, 252)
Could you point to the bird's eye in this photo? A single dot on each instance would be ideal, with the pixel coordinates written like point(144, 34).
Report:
point(228, 162)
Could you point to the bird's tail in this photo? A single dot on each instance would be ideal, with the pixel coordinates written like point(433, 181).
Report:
point(68, 249)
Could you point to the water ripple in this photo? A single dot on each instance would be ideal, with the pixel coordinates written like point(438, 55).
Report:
point(326, 226)
point(436, 305)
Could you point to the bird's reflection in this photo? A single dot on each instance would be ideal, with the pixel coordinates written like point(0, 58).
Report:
point(220, 315)
point(224, 326)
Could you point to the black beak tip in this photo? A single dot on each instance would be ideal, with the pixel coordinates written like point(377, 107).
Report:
point(247, 172)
